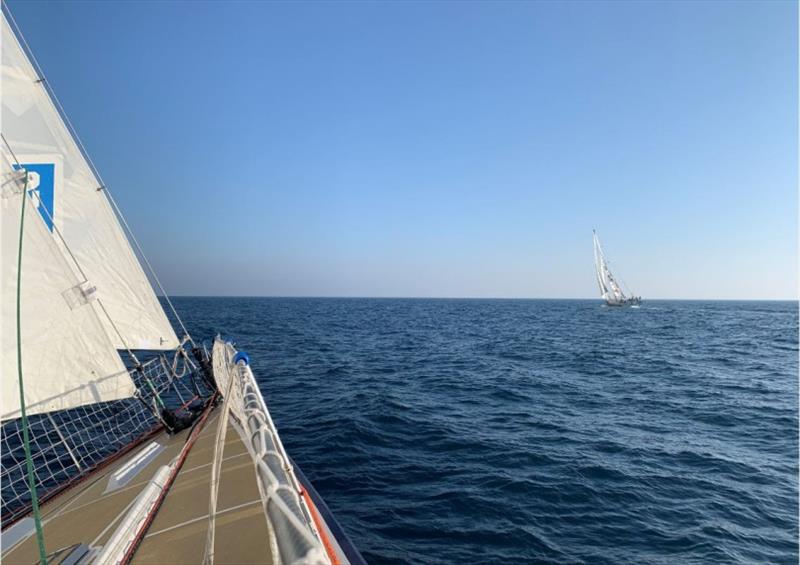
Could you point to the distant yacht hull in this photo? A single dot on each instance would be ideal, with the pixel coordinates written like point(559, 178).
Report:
point(634, 301)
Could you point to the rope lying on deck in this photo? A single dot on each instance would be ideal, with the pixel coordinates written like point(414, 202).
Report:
point(216, 468)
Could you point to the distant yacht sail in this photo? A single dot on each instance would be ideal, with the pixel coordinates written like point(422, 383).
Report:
point(610, 290)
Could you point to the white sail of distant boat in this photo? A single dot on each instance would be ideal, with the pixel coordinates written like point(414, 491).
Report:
point(610, 290)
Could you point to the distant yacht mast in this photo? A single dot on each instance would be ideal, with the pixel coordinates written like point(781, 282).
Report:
point(610, 290)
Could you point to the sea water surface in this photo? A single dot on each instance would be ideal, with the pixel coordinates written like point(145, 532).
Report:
point(497, 431)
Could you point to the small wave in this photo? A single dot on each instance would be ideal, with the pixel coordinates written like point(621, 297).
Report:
point(448, 431)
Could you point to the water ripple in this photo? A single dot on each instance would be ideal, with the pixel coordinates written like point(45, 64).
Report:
point(447, 431)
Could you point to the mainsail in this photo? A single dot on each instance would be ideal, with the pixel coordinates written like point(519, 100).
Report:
point(72, 199)
point(610, 289)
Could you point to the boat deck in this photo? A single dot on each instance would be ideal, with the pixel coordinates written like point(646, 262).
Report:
point(90, 512)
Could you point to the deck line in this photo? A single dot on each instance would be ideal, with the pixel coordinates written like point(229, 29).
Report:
point(199, 518)
point(196, 467)
point(139, 484)
point(114, 521)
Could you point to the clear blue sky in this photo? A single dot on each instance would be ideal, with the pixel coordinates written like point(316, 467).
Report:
point(441, 149)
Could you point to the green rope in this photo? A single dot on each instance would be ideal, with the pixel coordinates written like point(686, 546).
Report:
point(37, 518)
point(155, 392)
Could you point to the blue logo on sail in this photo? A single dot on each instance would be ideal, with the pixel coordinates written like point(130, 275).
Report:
point(41, 188)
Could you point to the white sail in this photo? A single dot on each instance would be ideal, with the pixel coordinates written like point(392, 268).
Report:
point(610, 289)
point(70, 193)
point(68, 358)
point(599, 267)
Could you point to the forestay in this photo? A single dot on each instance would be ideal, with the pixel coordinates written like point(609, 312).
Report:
point(71, 197)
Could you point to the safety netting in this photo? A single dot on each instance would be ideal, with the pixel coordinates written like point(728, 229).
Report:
point(295, 535)
point(67, 445)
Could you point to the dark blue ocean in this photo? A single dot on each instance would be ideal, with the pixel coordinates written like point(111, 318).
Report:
point(498, 431)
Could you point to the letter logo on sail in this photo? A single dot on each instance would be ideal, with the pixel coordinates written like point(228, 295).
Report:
point(42, 189)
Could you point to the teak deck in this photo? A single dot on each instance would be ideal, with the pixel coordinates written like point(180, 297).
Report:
point(88, 514)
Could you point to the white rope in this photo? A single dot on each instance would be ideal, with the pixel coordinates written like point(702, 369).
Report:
point(92, 166)
point(187, 363)
point(216, 471)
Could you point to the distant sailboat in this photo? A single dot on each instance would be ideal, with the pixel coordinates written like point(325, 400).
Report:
point(610, 290)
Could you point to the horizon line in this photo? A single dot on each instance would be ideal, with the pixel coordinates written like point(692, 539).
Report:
point(376, 297)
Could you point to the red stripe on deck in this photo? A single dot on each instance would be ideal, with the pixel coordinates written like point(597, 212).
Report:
point(178, 464)
point(320, 528)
